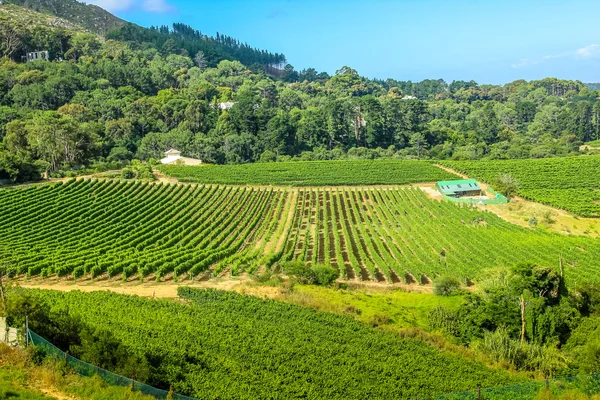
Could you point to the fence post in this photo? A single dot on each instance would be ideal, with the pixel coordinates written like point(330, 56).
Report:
point(26, 331)
point(479, 392)
point(547, 385)
point(132, 382)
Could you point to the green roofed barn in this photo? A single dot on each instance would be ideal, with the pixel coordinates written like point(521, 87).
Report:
point(459, 188)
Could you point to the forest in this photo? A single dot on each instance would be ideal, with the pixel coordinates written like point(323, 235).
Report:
point(137, 92)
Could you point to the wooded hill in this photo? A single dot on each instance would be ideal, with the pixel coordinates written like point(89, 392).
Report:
point(141, 91)
point(178, 39)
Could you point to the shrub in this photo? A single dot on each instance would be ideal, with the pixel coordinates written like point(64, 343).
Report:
point(298, 270)
point(325, 274)
point(533, 222)
point(318, 274)
point(548, 217)
point(127, 173)
point(446, 286)
point(507, 185)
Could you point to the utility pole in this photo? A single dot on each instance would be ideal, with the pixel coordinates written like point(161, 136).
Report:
point(523, 304)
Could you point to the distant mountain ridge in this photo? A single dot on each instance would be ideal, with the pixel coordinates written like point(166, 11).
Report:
point(592, 86)
point(89, 16)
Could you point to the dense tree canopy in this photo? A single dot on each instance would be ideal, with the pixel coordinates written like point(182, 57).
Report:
point(115, 100)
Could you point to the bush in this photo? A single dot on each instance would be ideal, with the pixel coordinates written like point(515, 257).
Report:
point(318, 274)
point(325, 274)
point(299, 270)
point(533, 222)
point(127, 173)
point(137, 170)
point(446, 286)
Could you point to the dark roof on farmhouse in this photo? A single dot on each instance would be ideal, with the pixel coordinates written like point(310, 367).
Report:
point(464, 185)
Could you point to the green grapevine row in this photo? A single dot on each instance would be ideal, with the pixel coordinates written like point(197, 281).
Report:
point(313, 173)
point(391, 234)
point(89, 228)
point(571, 183)
point(222, 345)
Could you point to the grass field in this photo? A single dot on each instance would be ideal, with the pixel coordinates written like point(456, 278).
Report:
point(86, 229)
point(373, 305)
point(229, 346)
point(568, 183)
point(313, 173)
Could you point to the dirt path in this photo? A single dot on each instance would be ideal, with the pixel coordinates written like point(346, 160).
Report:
point(168, 290)
point(452, 171)
point(54, 394)
point(162, 178)
point(160, 290)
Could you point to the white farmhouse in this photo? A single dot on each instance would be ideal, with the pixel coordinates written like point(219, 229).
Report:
point(173, 157)
point(38, 55)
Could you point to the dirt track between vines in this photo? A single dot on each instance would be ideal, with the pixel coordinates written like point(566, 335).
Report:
point(168, 290)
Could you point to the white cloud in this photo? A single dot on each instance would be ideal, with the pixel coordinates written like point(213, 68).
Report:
point(113, 5)
point(590, 51)
point(593, 50)
point(525, 62)
point(155, 6)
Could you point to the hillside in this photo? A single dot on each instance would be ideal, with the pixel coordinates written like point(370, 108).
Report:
point(180, 38)
point(89, 16)
point(222, 345)
point(26, 18)
point(22, 378)
point(189, 231)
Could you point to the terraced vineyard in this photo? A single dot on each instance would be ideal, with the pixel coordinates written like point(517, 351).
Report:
point(313, 173)
point(401, 235)
point(89, 228)
point(572, 183)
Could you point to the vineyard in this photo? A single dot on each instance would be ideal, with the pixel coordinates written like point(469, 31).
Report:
point(90, 229)
point(572, 184)
point(313, 173)
point(401, 235)
point(228, 346)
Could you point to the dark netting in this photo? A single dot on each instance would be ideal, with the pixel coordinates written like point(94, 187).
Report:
point(587, 384)
point(84, 369)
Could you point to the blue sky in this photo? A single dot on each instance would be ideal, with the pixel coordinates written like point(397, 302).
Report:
point(490, 41)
